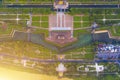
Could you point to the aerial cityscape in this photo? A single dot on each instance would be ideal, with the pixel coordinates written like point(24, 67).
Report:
point(59, 39)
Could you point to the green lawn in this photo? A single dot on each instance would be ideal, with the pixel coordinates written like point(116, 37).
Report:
point(10, 28)
point(85, 18)
point(86, 24)
point(37, 24)
point(36, 18)
point(81, 21)
point(24, 16)
point(44, 25)
point(8, 17)
point(86, 52)
point(77, 18)
point(40, 21)
point(115, 30)
point(44, 18)
point(77, 32)
point(23, 22)
point(45, 32)
point(77, 25)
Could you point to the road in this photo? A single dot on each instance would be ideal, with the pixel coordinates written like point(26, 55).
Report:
point(53, 60)
point(71, 6)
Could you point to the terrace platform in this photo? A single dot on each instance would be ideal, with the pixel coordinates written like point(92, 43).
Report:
point(61, 28)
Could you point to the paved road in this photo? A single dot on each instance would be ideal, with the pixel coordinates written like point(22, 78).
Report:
point(72, 5)
point(64, 60)
point(30, 6)
point(95, 6)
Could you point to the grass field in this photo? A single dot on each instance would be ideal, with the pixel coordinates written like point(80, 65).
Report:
point(86, 52)
point(16, 19)
point(81, 21)
point(115, 30)
point(40, 21)
point(105, 18)
point(83, 18)
point(20, 49)
point(18, 22)
point(9, 28)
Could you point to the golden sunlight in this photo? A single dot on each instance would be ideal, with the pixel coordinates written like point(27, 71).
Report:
point(7, 74)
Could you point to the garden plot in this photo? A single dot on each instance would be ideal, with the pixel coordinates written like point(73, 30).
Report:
point(40, 21)
point(81, 53)
point(26, 1)
point(15, 18)
point(12, 22)
point(81, 21)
